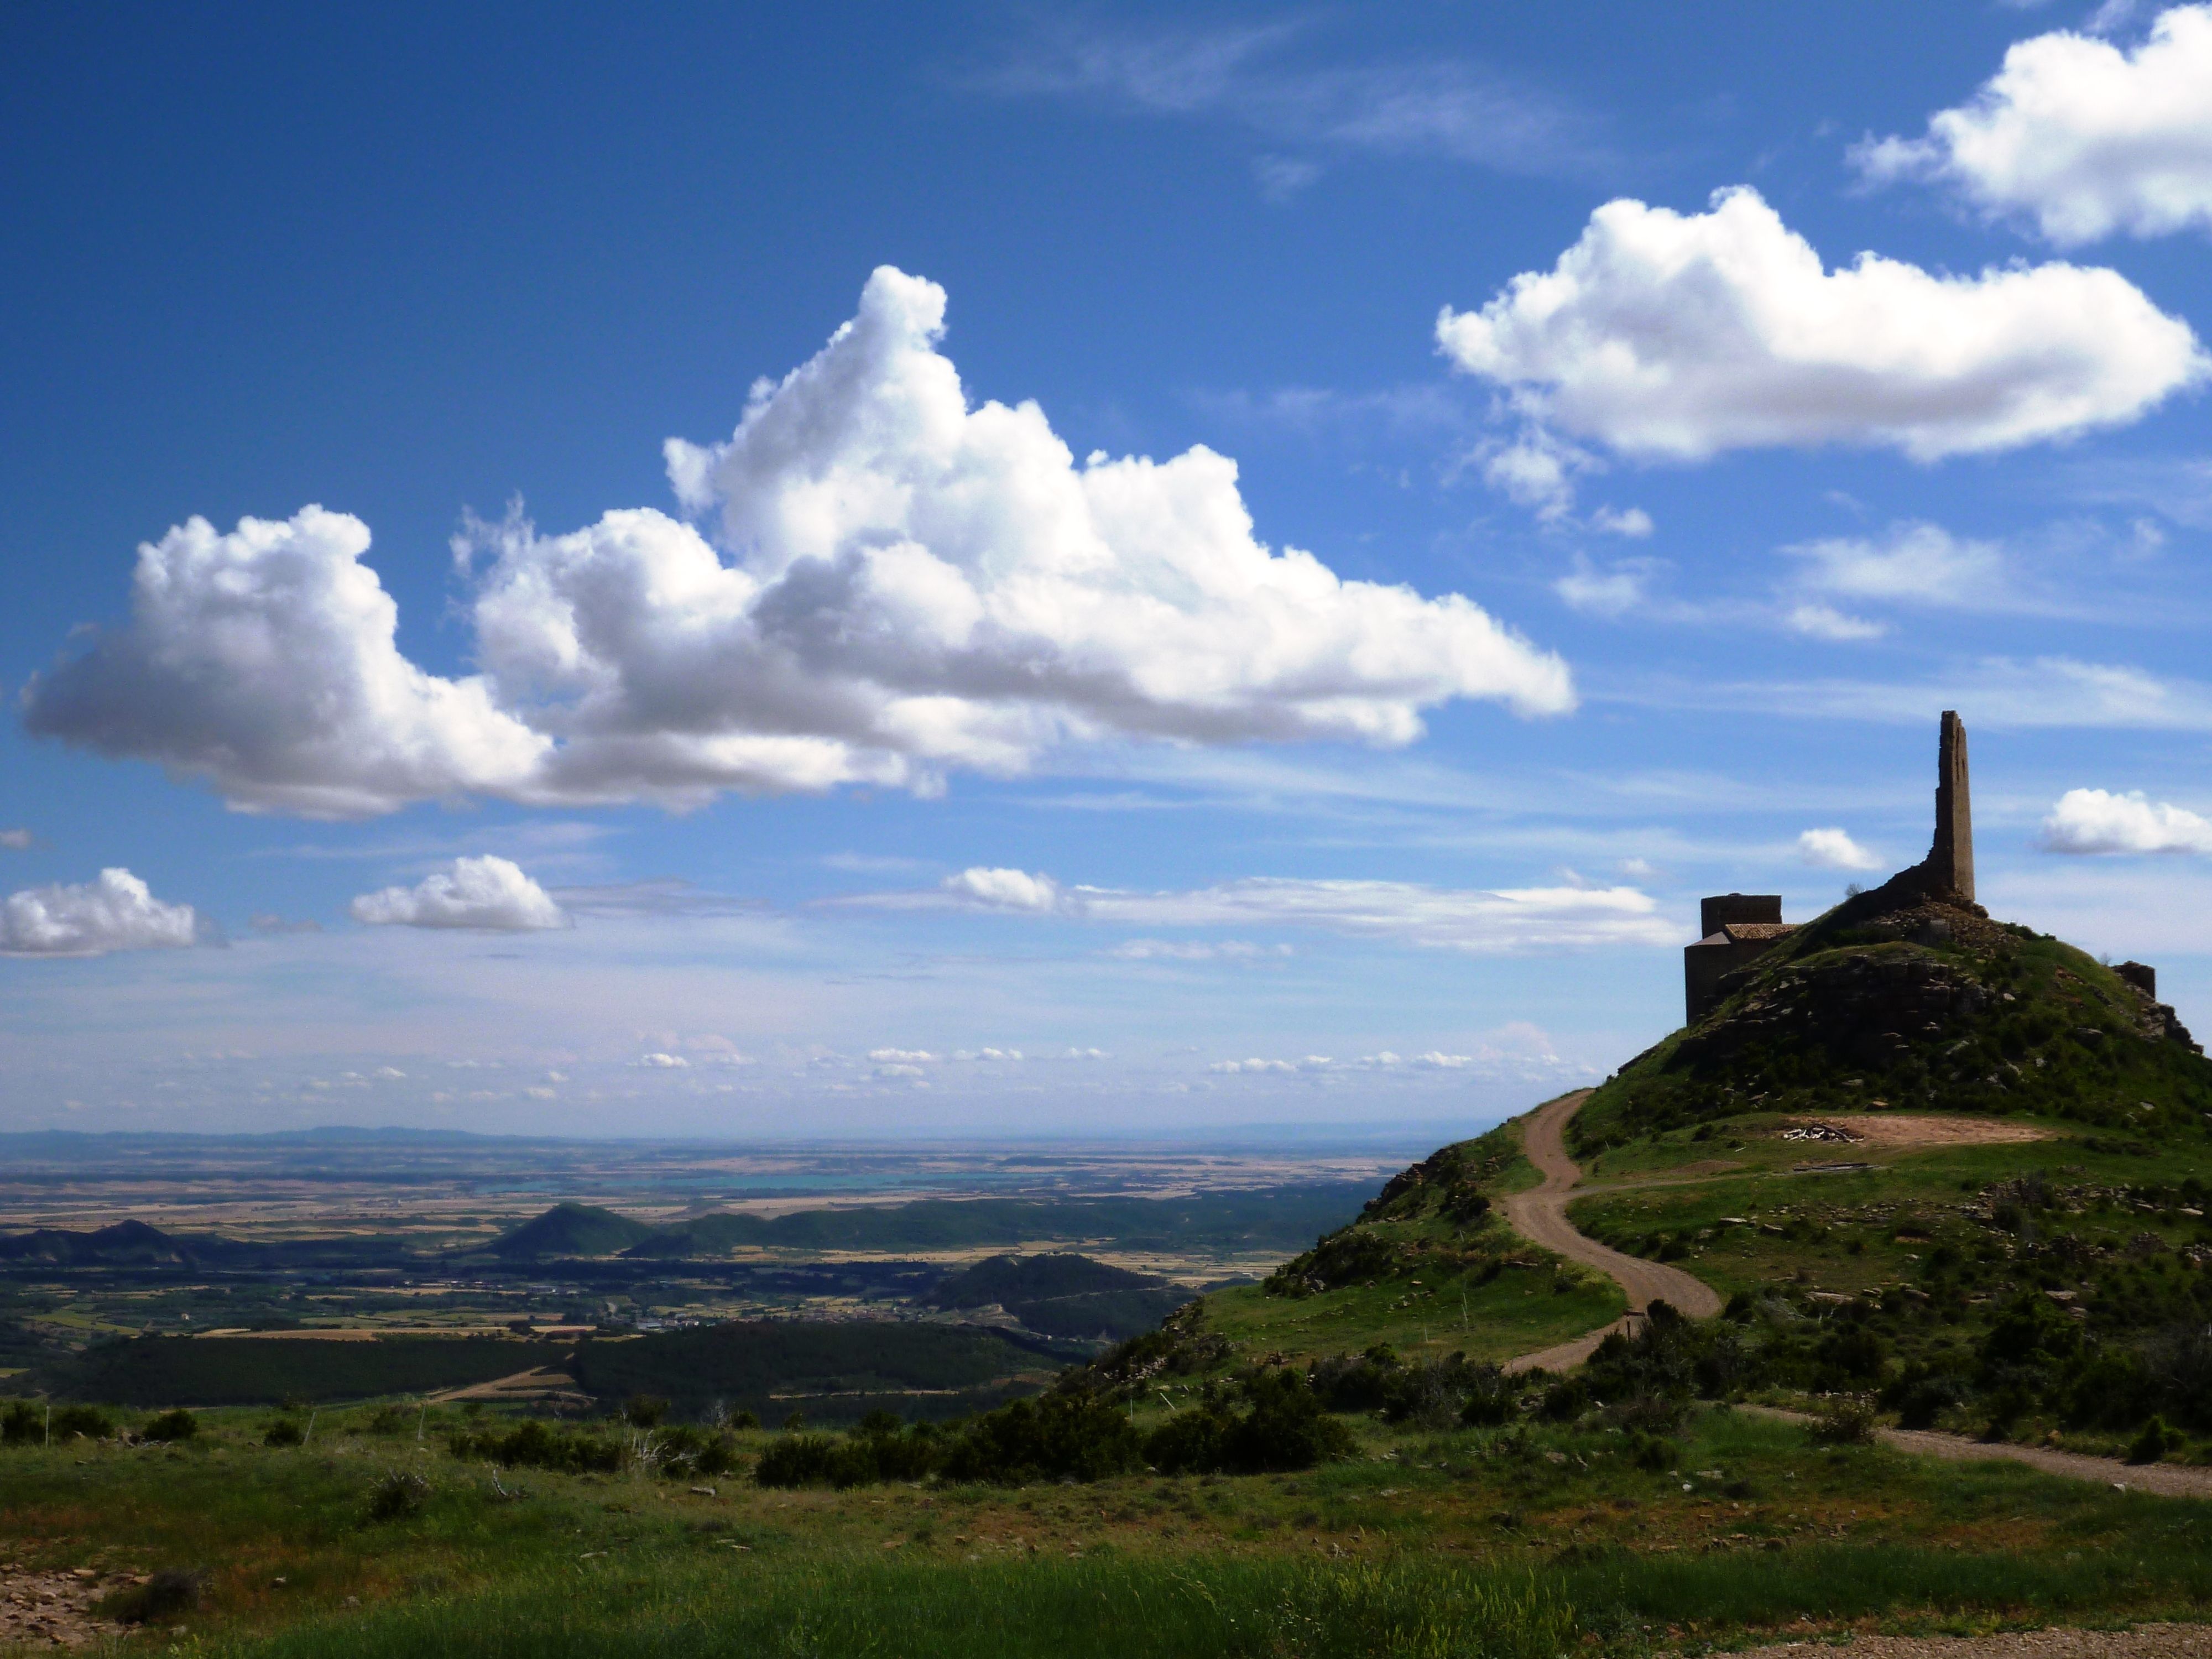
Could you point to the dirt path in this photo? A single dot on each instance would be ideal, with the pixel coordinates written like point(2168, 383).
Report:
point(2165, 1480)
point(1539, 1215)
point(2144, 1642)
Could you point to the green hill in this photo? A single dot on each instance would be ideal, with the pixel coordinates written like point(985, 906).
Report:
point(1921, 1004)
point(1427, 1268)
point(1010, 1279)
point(830, 1371)
point(571, 1229)
point(126, 1244)
point(1280, 1218)
point(1944, 1162)
point(1062, 1294)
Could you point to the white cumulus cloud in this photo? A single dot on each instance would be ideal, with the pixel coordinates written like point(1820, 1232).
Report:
point(489, 893)
point(657, 1061)
point(117, 912)
point(2091, 821)
point(264, 661)
point(1675, 335)
point(1834, 849)
point(890, 583)
point(2078, 137)
point(15, 841)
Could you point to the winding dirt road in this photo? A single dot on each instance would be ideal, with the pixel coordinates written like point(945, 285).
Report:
point(1539, 1215)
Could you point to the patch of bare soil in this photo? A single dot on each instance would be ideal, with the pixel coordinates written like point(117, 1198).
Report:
point(1916, 1129)
point(543, 1384)
point(52, 1609)
point(2143, 1642)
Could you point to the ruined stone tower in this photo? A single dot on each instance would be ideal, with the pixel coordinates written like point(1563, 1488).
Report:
point(1951, 861)
point(1739, 928)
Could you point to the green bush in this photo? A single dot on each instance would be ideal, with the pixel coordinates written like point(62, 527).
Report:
point(1285, 1426)
point(1843, 1420)
point(171, 1426)
point(2153, 1443)
point(1070, 1434)
point(171, 1591)
point(533, 1445)
point(397, 1495)
point(284, 1432)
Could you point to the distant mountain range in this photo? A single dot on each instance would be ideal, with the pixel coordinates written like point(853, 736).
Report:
point(1283, 1218)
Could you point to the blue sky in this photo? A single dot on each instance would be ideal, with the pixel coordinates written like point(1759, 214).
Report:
point(1316, 536)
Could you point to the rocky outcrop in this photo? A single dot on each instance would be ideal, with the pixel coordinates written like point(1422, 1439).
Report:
point(1868, 1009)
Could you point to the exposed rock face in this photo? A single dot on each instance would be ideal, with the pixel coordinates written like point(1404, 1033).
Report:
point(1867, 1010)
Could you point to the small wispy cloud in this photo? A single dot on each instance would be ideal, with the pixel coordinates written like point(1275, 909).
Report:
point(1485, 921)
point(1260, 77)
point(2043, 693)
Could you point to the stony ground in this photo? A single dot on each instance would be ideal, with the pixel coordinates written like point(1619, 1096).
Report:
point(2143, 1642)
point(51, 1609)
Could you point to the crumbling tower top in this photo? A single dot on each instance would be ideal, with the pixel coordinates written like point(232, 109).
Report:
point(1951, 861)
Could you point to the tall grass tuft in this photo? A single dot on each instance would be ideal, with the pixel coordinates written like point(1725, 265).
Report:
point(1207, 1609)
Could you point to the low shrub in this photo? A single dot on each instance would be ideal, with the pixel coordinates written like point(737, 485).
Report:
point(397, 1495)
point(533, 1445)
point(31, 1423)
point(2153, 1443)
point(168, 1593)
point(1285, 1426)
point(284, 1432)
point(816, 1460)
point(1845, 1421)
point(171, 1426)
point(1070, 1434)
point(684, 1452)
point(1429, 1395)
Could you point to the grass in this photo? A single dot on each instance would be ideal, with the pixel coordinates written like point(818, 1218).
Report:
point(1523, 1310)
point(1473, 1541)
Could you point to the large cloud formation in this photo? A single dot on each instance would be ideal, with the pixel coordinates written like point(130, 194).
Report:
point(264, 660)
point(491, 894)
point(898, 585)
point(1674, 335)
point(117, 912)
point(2078, 137)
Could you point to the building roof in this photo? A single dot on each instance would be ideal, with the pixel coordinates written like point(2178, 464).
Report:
point(1751, 933)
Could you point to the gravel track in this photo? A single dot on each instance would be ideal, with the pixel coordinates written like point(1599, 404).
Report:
point(1539, 1215)
point(2143, 1642)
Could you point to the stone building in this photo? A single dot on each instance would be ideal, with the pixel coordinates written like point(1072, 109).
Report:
point(1736, 929)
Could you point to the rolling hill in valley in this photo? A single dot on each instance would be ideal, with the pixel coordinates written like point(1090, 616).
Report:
point(1278, 1218)
point(571, 1229)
